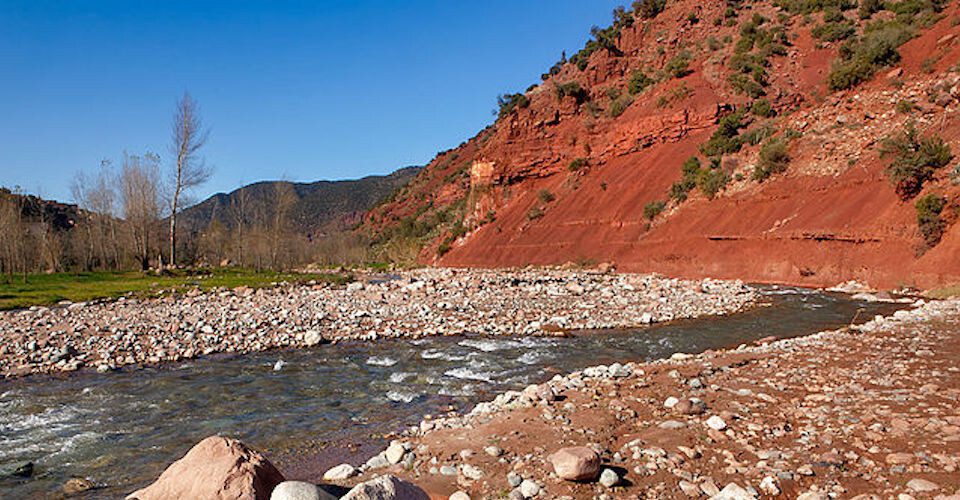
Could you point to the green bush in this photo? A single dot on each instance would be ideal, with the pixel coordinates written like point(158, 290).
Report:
point(649, 9)
point(535, 213)
point(774, 159)
point(929, 222)
point(638, 82)
point(860, 58)
point(725, 139)
point(509, 102)
point(869, 7)
point(762, 108)
point(679, 65)
point(546, 196)
point(688, 180)
point(834, 31)
point(914, 159)
point(712, 180)
point(571, 89)
point(904, 106)
point(577, 164)
point(619, 105)
point(653, 209)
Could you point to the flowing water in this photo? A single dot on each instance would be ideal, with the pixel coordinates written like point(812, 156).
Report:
point(122, 429)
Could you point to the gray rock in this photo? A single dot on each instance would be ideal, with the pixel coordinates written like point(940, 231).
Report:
point(460, 495)
point(299, 490)
point(312, 338)
point(377, 462)
point(471, 472)
point(514, 479)
point(386, 488)
point(395, 452)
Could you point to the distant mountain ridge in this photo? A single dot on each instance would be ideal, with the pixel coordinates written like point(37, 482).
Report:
point(316, 208)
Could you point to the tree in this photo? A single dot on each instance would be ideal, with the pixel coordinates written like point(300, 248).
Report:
point(140, 200)
point(189, 169)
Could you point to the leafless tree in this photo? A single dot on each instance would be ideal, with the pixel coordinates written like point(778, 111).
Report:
point(140, 199)
point(284, 197)
point(238, 212)
point(189, 169)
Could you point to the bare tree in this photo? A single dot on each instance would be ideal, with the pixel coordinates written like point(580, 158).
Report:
point(284, 197)
point(189, 169)
point(140, 197)
point(238, 212)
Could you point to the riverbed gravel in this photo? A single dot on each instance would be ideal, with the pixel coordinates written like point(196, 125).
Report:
point(108, 335)
point(864, 412)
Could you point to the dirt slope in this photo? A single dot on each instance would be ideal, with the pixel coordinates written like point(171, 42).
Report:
point(566, 177)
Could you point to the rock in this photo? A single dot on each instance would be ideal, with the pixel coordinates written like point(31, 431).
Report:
point(216, 468)
point(76, 485)
point(671, 425)
point(25, 470)
point(339, 473)
point(471, 472)
point(529, 489)
point(899, 458)
point(670, 402)
point(922, 485)
point(689, 489)
point(312, 338)
point(386, 488)
point(577, 463)
point(460, 495)
point(769, 486)
point(377, 462)
point(609, 478)
point(733, 491)
point(395, 452)
point(299, 490)
point(514, 479)
point(716, 423)
point(447, 470)
point(493, 451)
point(691, 406)
point(812, 495)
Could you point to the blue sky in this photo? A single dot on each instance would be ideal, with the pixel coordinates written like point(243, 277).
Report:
point(295, 90)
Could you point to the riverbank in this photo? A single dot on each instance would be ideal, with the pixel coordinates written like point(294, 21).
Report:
point(869, 410)
point(413, 304)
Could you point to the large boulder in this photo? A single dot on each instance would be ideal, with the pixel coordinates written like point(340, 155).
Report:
point(386, 488)
point(577, 463)
point(216, 468)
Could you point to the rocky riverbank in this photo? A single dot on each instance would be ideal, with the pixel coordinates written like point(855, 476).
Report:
point(862, 412)
point(108, 335)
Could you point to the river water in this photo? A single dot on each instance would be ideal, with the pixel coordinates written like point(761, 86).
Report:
point(122, 429)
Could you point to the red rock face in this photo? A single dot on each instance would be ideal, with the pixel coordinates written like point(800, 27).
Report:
point(216, 468)
point(831, 217)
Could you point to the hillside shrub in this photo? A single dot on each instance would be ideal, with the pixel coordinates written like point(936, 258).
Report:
point(571, 89)
point(726, 138)
point(774, 159)
point(619, 105)
point(649, 9)
point(653, 209)
point(679, 65)
point(860, 58)
point(506, 103)
point(546, 196)
point(638, 82)
point(914, 159)
point(929, 222)
point(834, 31)
point(762, 108)
point(577, 164)
point(712, 180)
point(688, 180)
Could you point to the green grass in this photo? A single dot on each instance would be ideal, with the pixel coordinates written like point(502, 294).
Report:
point(47, 289)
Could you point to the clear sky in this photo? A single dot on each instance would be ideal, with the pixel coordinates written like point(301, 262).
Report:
point(302, 90)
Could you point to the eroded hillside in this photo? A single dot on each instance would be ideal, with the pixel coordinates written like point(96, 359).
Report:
point(753, 140)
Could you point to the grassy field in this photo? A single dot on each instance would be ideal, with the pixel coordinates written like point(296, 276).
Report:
point(945, 292)
point(47, 289)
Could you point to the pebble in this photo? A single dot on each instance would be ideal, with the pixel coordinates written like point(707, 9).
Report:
point(609, 478)
point(716, 423)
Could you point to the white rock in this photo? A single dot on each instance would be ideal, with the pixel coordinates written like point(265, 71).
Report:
point(298, 490)
point(529, 489)
point(609, 478)
point(733, 491)
point(922, 485)
point(395, 452)
point(769, 486)
point(716, 423)
point(670, 402)
point(471, 472)
point(460, 495)
point(340, 472)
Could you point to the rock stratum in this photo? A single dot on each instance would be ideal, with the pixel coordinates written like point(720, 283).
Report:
point(566, 172)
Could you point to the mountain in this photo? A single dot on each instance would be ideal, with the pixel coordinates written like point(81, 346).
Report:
point(316, 207)
point(793, 141)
